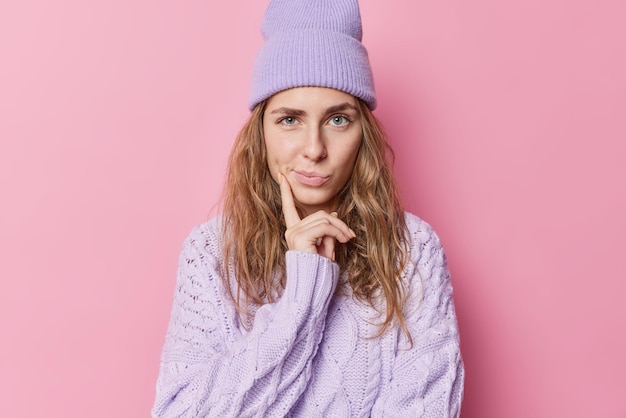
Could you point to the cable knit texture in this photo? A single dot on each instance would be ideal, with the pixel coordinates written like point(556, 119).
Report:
point(309, 354)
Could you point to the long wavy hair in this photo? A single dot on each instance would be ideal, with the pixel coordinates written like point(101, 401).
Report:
point(254, 228)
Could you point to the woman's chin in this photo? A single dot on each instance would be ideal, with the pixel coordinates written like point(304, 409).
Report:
point(311, 205)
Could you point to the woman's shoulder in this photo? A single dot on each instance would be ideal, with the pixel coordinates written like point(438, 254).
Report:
point(426, 249)
point(209, 228)
point(428, 261)
point(420, 232)
point(206, 237)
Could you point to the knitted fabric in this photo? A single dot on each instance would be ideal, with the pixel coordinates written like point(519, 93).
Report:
point(309, 354)
point(312, 43)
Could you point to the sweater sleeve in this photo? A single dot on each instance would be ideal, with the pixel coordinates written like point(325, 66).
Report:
point(427, 377)
point(210, 367)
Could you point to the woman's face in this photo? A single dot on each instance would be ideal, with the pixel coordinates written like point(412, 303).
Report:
point(312, 137)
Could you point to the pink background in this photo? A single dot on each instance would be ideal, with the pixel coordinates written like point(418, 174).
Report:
point(509, 124)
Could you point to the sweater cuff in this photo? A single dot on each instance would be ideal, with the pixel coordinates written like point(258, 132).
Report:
point(311, 278)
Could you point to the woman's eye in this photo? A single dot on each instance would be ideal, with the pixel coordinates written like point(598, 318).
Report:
point(339, 120)
point(288, 121)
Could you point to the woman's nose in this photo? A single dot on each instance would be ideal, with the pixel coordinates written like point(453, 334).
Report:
point(314, 147)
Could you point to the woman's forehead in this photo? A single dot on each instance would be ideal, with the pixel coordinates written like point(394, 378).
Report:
point(310, 98)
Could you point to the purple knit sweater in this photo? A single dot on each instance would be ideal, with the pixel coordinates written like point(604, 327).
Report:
point(311, 353)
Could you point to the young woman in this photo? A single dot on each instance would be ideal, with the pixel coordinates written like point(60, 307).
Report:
point(314, 294)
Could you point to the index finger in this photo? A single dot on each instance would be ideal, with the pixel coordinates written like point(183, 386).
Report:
point(289, 207)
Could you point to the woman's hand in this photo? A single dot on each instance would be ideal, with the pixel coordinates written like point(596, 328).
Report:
point(316, 233)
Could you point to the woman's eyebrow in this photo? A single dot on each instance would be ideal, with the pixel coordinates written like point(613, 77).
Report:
point(288, 111)
point(341, 108)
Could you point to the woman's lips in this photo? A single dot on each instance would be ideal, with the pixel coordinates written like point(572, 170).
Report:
point(310, 179)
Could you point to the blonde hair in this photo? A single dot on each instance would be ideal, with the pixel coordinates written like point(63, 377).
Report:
point(254, 228)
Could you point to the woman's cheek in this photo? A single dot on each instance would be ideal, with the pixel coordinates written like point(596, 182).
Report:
point(275, 170)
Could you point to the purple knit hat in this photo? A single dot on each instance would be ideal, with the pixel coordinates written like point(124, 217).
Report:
point(312, 43)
